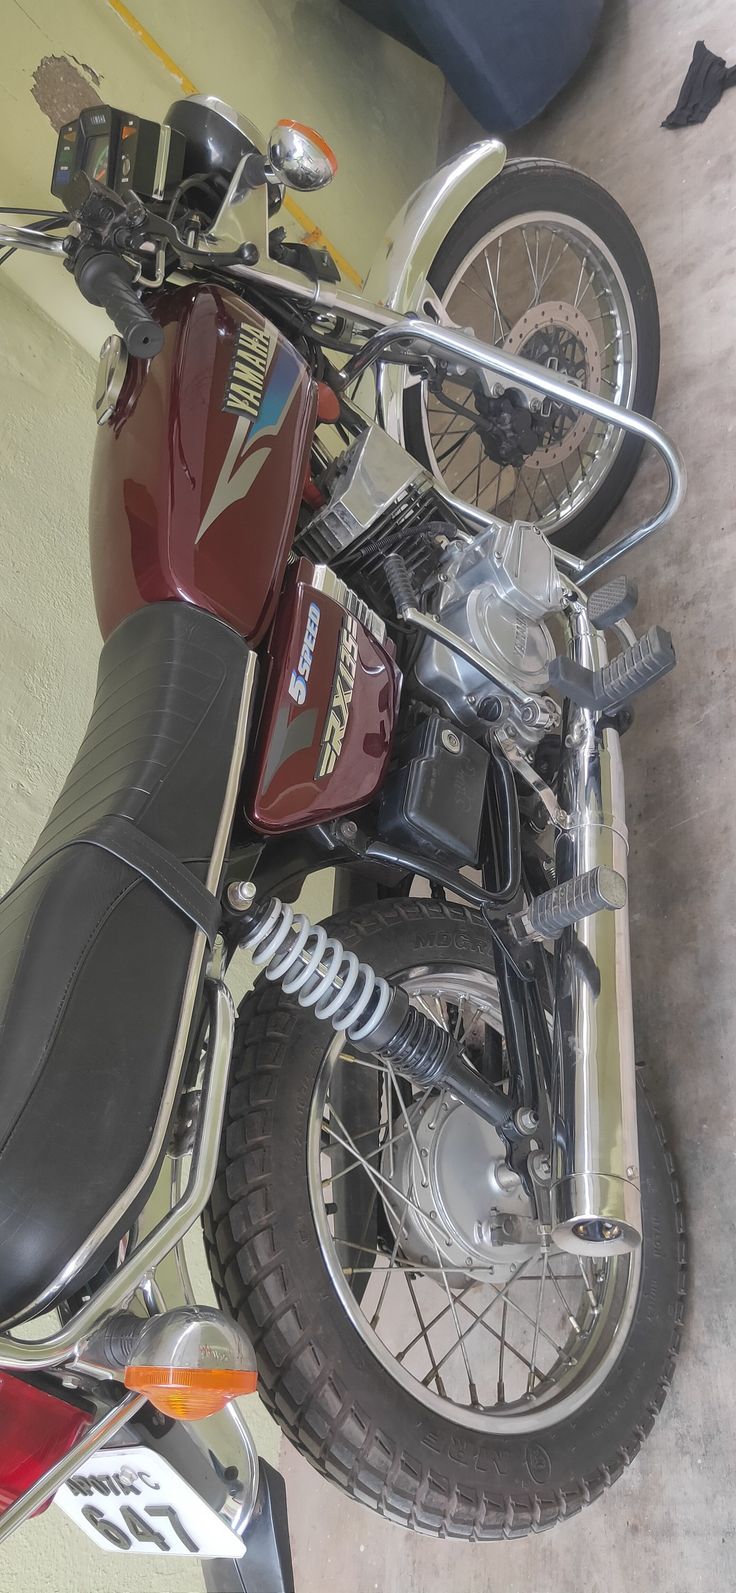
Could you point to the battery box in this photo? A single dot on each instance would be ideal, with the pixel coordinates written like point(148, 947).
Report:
point(433, 801)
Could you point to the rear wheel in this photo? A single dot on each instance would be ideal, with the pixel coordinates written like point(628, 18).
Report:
point(418, 1337)
point(546, 265)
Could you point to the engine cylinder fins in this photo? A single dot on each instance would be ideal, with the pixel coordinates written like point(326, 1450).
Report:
point(375, 1015)
point(546, 916)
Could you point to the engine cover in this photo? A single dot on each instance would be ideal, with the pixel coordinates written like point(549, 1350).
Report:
point(494, 596)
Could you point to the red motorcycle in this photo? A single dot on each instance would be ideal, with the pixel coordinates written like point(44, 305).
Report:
point(441, 1220)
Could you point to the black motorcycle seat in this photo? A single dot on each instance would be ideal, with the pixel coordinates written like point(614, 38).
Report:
point(94, 958)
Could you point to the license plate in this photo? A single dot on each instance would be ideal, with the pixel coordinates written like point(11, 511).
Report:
point(131, 1499)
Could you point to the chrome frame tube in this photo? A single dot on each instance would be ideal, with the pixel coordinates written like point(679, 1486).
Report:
point(595, 1176)
point(28, 1354)
point(51, 1481)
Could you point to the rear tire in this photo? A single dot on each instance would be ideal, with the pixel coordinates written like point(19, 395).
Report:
point(357, 1425)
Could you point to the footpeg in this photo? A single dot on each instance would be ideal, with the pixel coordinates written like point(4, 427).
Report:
point(612, 602)
point(602, 690)
point(546, 916)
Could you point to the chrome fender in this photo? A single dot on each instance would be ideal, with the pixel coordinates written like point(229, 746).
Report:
point(398, 274)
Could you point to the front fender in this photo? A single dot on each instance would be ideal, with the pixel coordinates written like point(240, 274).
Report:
point(398, 274)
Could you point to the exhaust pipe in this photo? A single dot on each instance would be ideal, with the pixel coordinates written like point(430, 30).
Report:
point(595, 1196)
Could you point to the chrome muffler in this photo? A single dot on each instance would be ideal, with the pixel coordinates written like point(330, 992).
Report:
point(595, 1194)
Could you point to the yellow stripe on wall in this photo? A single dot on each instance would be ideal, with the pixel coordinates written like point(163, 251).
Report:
point(311, 231)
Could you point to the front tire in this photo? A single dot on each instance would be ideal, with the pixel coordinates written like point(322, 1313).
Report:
point(334, 1397)
point(596, 322)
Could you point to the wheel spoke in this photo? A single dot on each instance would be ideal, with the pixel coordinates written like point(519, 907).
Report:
point(535, 300)
point(494, 291)
point(454, 446)
point(362, 1160)
point(424, 1334)
point(537, 1325)
point(500, 1386)
point(575, 1325)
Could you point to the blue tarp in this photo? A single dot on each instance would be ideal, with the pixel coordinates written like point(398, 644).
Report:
point(505, 59)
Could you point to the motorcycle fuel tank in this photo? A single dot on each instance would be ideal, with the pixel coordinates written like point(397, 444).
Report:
point(198, 470)
point(329, 707)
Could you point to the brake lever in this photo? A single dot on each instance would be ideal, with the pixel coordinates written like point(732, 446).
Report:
point(159, 227)
point(127, 224)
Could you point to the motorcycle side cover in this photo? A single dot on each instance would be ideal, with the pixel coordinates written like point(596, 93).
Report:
point(328, 714)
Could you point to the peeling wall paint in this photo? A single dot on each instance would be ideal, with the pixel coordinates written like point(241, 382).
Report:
point(62, 89)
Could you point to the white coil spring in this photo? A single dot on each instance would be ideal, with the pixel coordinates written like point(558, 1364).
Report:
point(310, 964)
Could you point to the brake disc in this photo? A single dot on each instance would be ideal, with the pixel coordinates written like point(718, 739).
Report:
point(560, 322)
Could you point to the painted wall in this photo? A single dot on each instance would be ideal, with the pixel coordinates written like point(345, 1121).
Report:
point(48, 633)
point(376, 103)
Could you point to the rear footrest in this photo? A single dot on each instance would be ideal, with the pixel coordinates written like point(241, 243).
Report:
point(546, 916)
point(612, 602)
point(604, 689)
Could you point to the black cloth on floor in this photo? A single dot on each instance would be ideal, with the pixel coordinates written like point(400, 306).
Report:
point(707, 77)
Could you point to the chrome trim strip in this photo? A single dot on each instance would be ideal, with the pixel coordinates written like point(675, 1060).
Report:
point(325, 580)
point(52, 1480)
point(162, 160)
point(114, 1215)
point(119, 1288)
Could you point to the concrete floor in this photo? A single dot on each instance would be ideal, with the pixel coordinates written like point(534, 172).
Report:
point(670, 1524)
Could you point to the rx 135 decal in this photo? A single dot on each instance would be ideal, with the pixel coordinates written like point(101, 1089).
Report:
point(336, 723)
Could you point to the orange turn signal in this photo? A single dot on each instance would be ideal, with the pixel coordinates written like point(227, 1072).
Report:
point(188, 1393)
point(190, 1361)
point(312, 137)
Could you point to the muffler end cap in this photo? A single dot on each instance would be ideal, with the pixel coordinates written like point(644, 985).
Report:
point(596, 1215)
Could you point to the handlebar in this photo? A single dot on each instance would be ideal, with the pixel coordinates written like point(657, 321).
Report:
point(26, 238)
point(106, 279)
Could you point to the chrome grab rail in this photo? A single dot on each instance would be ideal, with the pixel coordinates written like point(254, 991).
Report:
point(525, 374)
point(30, 1354)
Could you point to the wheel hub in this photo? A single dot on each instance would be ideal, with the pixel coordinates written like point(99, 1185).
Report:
point(468, 1209)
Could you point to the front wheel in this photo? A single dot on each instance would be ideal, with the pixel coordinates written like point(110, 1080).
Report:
point(419, 1339)
point(545, 264)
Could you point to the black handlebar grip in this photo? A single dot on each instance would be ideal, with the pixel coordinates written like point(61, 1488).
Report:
point(105, 279)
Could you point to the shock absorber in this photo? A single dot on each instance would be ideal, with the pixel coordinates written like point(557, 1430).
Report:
point(375, 1015)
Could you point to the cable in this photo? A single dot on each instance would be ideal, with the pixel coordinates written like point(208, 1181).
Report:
point(201, 180)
